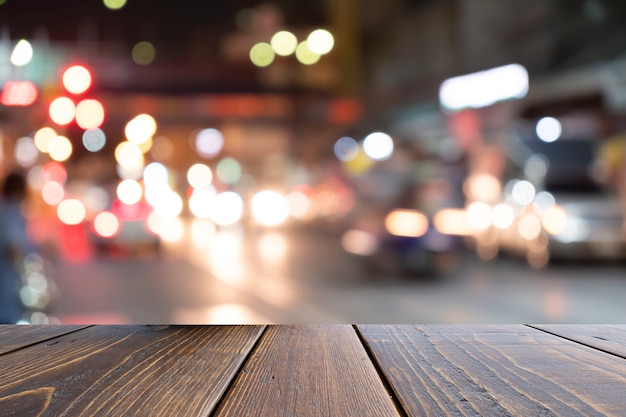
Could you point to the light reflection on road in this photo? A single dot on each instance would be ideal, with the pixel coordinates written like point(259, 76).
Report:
point(251, 261)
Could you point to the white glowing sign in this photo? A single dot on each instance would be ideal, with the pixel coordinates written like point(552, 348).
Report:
point(484, 88)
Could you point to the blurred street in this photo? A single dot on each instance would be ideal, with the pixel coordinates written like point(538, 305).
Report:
point(309, 279)
point(325, 161)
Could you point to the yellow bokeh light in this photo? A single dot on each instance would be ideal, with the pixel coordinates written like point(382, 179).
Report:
point(140, 129)
point(284, 43)
point(114, 4)
point(199, 176)
point(262, 54)
point(129, 156)
point(89, 114)
point(554, 220)
point(76, 79)
point(405, 222)
point(143, 53)
point(321, 41)
point(71, 211)
point(106, 224)
point(62, 110)
point(129, 192)
point(305, 55)
point(43, 137)
point(60, 149)
point(452, 221)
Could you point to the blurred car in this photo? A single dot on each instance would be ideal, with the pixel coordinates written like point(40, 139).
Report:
point(125, 230)
point(554, 206)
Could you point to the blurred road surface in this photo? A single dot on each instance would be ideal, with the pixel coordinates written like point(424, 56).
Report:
point(305, 277)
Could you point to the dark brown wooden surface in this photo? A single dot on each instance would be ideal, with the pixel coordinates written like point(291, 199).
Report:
point(16, 337)
point(496, 371)
point(308, 371)
point(609, 338)
point(313, 370)
point(124, 371)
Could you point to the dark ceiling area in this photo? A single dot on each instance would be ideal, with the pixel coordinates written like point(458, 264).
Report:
point(64, 20)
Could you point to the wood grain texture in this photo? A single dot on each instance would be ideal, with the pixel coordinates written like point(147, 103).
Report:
point(609, 338)
point(496, 371)
point(320, 371)
point(13, 337)
point(125, 371)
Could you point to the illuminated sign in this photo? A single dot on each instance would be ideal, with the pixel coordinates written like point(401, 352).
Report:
point(484, 88)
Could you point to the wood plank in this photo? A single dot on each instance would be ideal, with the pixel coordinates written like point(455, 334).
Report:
point(496, 371)
point(13, 337)
point(305, 371)
point(608, 338)
point(125, 371)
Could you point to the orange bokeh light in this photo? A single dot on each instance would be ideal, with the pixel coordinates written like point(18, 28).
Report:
point(89, 114)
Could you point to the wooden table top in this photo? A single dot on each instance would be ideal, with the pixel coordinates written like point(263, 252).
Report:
point(313, 370)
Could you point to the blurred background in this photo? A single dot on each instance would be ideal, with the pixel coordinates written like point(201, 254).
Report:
point(318, 161)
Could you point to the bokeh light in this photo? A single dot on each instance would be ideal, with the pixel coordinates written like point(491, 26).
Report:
point(168, 205)
point(129, 156)
point(114, 4)
point(346, 149)
point(52, 193)
point(155, 172)
point(378, 146)
point(143, 53)
point(199, 176)
point(22, 53)
point(523, 192)
point(25, 151)
point(228, 170)
point(140, 129)
point(129, 191)
point(554, 220)
point(54, 172)
point(106, 224)
point(269, 208)
point(299, 204)
point(549, 129)
point(305, 55)
point(227, 208)
point(60, 149)
point(406, 222)
point(76, 79)
point(262, 54)
point(320, 41)
point(62, 110)
point(71, 211)
point(502, 216)
point(284, 43)
point(209, 142)
point(43, 137)
point(94, 139)
point(89, 114)
point(359, 242)
point(200, 202)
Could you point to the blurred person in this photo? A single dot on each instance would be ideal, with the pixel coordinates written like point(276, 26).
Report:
point(14, 245)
